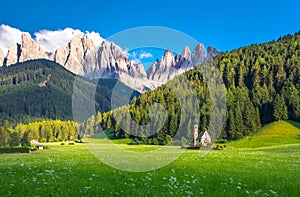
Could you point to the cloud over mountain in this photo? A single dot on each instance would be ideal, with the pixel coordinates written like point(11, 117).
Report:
point(49, 40)
point(8, 36)
point(52, 40)
point(145, 55)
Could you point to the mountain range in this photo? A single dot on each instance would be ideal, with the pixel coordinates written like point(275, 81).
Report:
point(83, 57)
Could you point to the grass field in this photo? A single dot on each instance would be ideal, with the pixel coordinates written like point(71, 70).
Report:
point(71, 170)
point(274, 134)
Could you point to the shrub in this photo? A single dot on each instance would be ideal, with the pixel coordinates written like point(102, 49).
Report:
point(14, 150)
point(33, 149)
point(71, 143)
point(155, 141)
point(238, 136)
point(14, 139)
point(78, 141)
point(135, 142)
point(183, 141)
point(221, 141)
point(62, 143)
point(168, 139)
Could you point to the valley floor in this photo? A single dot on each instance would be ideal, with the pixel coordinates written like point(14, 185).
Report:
point(71, 170)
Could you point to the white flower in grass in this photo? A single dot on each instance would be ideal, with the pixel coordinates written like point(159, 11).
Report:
point(273, 192)
point(258, 191)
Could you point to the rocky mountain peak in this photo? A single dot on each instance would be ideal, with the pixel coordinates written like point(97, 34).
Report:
point(212, 52)
point(168, 58)
point(198, 55)
point(30, 49)
point(12, 55)
point(186, 53)
point(80, 56)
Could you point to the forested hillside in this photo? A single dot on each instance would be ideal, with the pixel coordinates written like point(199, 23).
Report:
point(42, 89)
point(262, 82)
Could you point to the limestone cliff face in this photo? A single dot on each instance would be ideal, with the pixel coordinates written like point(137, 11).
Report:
point(170, 66)
point(113, 63)
point(186, 54)
point(61, 55)
point(13, 55)
point(30, 50)
point(198, 55)
point(212, 52)
point(80, 56)
point(1, 57)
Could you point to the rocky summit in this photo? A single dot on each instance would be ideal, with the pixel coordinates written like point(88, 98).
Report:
point(82, 57)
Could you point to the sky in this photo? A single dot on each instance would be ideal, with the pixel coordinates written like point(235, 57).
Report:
point(225, 25)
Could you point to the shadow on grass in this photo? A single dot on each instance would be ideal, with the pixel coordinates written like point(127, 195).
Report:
point(295, 124)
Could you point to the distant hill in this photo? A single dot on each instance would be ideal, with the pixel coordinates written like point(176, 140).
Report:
point(41, 89)
point(273, 134)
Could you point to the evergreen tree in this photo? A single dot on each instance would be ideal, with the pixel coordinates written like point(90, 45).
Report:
point(25, 142)
point(239, 123)
point(14, 139)
point(231, 130)
point(99, 118)
point(280, 109)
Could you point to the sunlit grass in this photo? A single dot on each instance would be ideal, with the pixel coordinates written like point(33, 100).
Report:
point(274, 134)
point(71, 170)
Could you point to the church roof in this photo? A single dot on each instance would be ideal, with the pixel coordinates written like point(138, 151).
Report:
point(201, 134)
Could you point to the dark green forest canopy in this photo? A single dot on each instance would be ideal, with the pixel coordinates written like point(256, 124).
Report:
point(42, 89)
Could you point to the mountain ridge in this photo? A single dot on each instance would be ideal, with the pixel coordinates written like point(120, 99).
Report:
point(82, 57)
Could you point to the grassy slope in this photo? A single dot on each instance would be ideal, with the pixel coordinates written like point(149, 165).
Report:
point(274, 134)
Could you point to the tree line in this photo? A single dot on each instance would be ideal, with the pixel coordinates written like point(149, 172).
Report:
point(42, 131)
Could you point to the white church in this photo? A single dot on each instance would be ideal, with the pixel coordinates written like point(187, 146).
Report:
point(203, 137)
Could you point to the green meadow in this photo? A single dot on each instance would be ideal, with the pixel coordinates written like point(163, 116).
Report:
point(71, 170)
point(273, 134)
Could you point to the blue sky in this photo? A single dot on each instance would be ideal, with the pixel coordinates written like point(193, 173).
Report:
point(223, 24)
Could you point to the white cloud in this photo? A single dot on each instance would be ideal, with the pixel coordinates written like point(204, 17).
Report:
point(137, 56)
point(133, 54)
point(96, 38)
point(145, 55)
point(133, 57)
point(8, 36)
point(136, 61)
point(51, 40)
